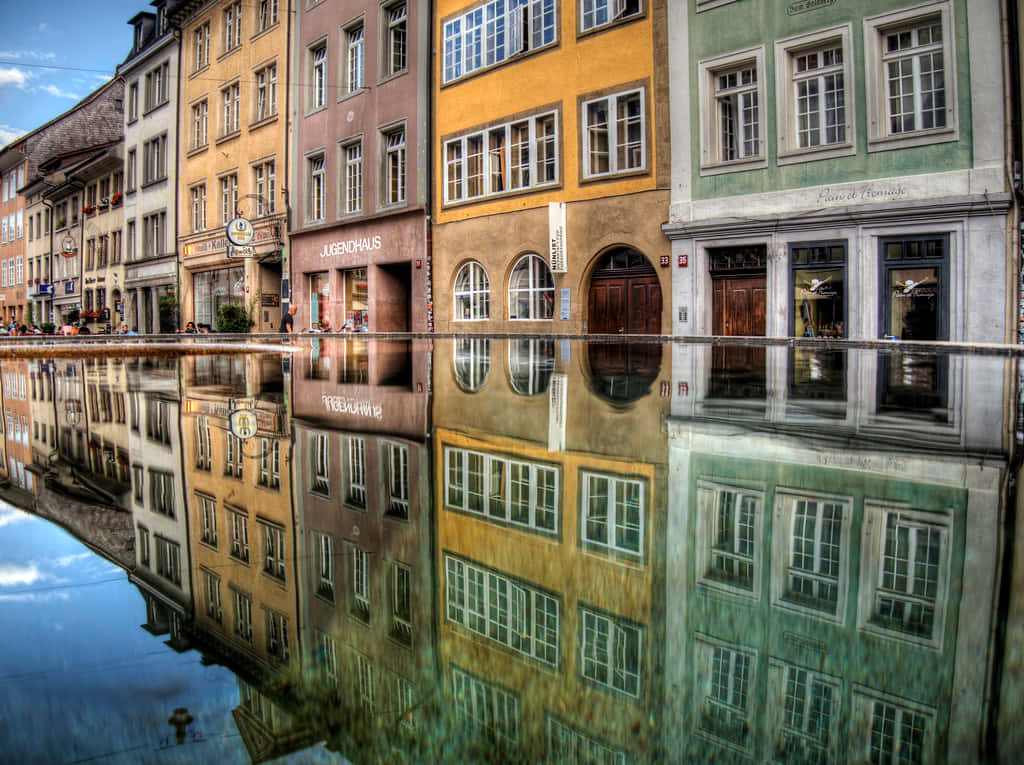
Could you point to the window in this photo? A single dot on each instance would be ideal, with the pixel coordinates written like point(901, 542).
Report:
point(531, 289)
point(213, 604)
point(501, 489)
point(815, 116)
point(327, 656)
point(229, 109)
point(157, 86)
point(325, 581)
point(228, 198)
point(729, 521)
point(161, 492)
point(199, 208)
point(202, 443)
point(400, 583)
point(129, 170)
point(732, 94)
point(270, 463)
point(911, 81)
point(490, 34)
point(266, 92)
point(353, 180)
point(200, 113)
point(613, 511)
point(511, 157)
point(232, 456)
point(355, 51)
point(168, 559)
point(615, 134)
point(360, 583)
point(201, 47)
point(266, 14)
point(143, 545)
point(264, 178)
point(393, 179)
point(208, 517)
point(396, 471)
point(273, 550)
point(395, 39)
point(597, 13)
point(806, 720)
point(318, 75)
point(364, 683)
point(569, 744)
point(889, 730)
point(153, 227)
point(810, 557)
point(239, 535)
point(243, 615)
point(133, 102)
point(321, 483)
point(316, 180)
point(233, 26)
point(487, 709)
point(356, 472)
point(472, 293)
point(724, 705)
point(507, 611)
point(531, 363)
point(277, 636)
point(904, 587)
point(611, 651)
point(819, 292)
point(472, 361)
point(154, 159)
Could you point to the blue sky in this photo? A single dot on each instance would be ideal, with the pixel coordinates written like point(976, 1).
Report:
point(87, 40)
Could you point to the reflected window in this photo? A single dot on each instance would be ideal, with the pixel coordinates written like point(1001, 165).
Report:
point(277, 636)
point(143, 546)
point(239, 535)
point(810, 555)
point(325, 582)
point(232, 456)
point(319, 363)
point(243, 615)
point(472, 362)
point(208, 517)
point(321, 469)
point(400, 584)
point(168, 559)
point(729, 536)
point(807, 729)
point(319, 299)
point(486, 709)
point(270, 463)
point(614, 510)
point(356, 472)
point(530, 364)
point(890, 729)
point(611, 651)
point(531, 289)
point(472, 293)
point(501, 489)
point(327, 656)
point(566, 743)
point(273, 550)
point(909, 573)
point(359, 590)
point(213, 604)
point(725, 679)
point(203, 443)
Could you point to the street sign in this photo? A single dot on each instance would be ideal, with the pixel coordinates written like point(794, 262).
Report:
point(235, 251)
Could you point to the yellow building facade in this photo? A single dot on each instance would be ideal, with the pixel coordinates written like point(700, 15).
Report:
point(551, 167)
point(233, 159)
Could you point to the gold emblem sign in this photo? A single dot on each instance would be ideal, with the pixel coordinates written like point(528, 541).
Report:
point(243, 423)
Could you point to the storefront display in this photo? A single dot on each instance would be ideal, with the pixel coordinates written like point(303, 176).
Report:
point(213, 289)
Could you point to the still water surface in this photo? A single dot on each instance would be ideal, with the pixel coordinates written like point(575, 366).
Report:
point(511, 550)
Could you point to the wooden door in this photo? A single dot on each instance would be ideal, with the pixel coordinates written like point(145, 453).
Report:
point(739, 305)
point(607, 308)
point(644, 317)
point(630, 305)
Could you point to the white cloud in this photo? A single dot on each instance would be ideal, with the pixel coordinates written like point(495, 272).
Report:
point(37, 55)
point(34, 597)
point(8, 134)
point(11, 574)
point(8, 514)
point(67, 560)
point(11, 75)
point(53, 90)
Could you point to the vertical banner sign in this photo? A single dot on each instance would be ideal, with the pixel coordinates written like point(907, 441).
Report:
point(556, 236)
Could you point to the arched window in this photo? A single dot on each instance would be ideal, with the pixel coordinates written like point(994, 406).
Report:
point(472, 362)
point(531, 289)
point(531, 363)
point(472, 293)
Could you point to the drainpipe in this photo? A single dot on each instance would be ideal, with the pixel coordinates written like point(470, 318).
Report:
point(49, 267)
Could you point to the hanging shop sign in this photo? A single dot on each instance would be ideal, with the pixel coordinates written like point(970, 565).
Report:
point(243, 423)
point(240, 232)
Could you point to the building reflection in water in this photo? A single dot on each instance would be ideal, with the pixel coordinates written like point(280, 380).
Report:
point(529, 549)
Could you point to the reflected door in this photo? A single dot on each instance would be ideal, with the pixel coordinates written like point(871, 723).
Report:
point(738, 306)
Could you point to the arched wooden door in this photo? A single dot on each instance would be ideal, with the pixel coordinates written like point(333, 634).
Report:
point(625, 295)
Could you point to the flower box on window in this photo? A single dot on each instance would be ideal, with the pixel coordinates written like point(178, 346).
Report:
point(117, 199)
point(88, 210)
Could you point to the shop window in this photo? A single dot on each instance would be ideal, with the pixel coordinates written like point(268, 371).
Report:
point(319, 299)
point(355, 294)
point(818, 310)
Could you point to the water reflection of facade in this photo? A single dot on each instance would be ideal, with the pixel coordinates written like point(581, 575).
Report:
point(362, 478)
point(550, 509)
point(17, 393)
point(836, 582)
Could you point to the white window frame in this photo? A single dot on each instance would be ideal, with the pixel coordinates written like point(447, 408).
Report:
point(201, 47)
point(396, 472)
point(317, 75)
point(228, 197)
point(320, 478)
point(480, 29)
point(325, 566)
point(534, 290)
point(710, 655)
point(359, 589)
point(498, 488)
point(602, 642)
point(354, 43)
point(232, 24)
point(264, 177)
point(792, 713)
point(243, 615)
point(611, 131)
point(200, 123)
point(471, 288)
point(356, 494)
point(613, 524)
point(316, 188)
point(865, 702)
point(872, 569)
point(395, 38)
point(486, 708)
point(208, 519)
point(401, 599)
point(394, 165)
point(614, 11)
point(786, 502)
point(230, 99)
point(214, 607)
point(876, 81)
point(712, 554)
point(232, 456)
point(273, 550)
point(266, 14)
point(708, 71)
point(265, 102)
point(567, 743)
point(277, 635)
point(502, 609)
point(786, 110)
point(352, 180)
point(270, 463)
point(239, 534)
point(203, 455)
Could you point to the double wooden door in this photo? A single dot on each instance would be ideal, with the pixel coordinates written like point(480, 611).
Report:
point(625, 305)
